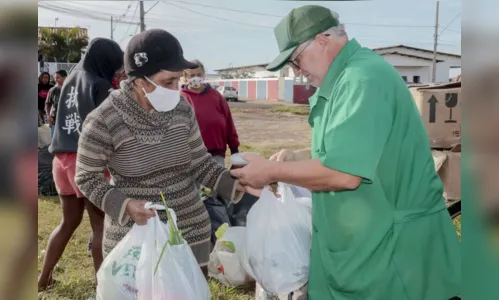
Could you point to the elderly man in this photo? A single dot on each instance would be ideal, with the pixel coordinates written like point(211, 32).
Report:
point(380, 226)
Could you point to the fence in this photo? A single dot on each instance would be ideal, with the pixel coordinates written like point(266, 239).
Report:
point(277, 89)
point(53, 67)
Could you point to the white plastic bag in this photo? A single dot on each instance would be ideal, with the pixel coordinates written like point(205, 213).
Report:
point(278, 239)
point(178, 275)
point(116, 278)
point(226, 266)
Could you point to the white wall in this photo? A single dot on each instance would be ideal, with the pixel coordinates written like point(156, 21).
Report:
point(213, 77)
point(443, 68)
point(265, 74)
point(424, 73)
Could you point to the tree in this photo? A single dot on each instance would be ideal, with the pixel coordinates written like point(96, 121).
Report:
point(64, 45)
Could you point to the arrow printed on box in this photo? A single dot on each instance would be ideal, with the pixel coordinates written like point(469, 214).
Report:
point(433, 108)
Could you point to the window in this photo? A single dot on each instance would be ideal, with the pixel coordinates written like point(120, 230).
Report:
point(416, 79)
point(405, 78)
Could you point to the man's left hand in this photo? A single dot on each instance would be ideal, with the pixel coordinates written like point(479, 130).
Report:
point(257, 173)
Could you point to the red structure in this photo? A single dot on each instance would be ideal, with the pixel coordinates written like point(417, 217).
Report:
point(301, 93)
point(273, 90)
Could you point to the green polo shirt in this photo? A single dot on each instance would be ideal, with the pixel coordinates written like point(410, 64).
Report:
point(391, 238)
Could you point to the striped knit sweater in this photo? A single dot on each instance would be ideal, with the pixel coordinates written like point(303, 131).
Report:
point(148, 153)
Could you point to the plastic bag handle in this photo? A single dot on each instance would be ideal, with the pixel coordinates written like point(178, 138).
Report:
point(150, 205)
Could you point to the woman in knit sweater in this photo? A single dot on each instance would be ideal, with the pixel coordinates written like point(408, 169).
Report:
point(148, 137)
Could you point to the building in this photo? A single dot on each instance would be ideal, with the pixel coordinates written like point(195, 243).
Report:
point(258, 71)
point(414, 65)
point(212, 77)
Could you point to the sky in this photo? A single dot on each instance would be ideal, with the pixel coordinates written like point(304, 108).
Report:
point(221, 33)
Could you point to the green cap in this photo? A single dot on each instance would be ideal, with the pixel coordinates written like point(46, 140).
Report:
point(300, 25)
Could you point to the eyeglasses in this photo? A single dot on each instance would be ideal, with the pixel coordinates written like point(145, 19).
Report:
point(295, 62)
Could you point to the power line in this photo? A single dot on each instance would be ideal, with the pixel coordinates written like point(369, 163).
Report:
point(74, 9)
point(227, 9)
point(79, 13)
point(130, 24)
point(453, 30)
point(247, 12)
point(450, 23)
point(214, 17)
point(151, 7)
point(278, 16)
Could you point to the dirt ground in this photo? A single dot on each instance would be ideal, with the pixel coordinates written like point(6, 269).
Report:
point(262, 128)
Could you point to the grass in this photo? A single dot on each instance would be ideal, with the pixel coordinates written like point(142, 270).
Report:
point(74, 272)
point(457, 224)
point(279, 108)
point(296, 110)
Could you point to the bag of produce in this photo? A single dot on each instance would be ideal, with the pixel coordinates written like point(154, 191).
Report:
point(225, 263)
point(167, 269)
point(116, 278)
point(278, 239)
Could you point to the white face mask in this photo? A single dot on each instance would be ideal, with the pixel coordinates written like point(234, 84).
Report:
point(196, 82)
point(162, 99)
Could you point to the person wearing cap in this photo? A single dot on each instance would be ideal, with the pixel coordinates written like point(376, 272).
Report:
point(381, 230)
point(212, 113)
point(84, 89)
point(146, 133)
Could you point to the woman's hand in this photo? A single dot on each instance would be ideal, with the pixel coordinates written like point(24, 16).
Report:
point(249, 190)
point(139, 214)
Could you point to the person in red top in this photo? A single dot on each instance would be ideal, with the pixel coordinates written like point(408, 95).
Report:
point(212, 113)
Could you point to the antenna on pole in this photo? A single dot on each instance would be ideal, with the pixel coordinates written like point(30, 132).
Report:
point(435, 45)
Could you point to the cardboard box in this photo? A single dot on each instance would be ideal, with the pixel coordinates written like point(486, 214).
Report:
point(448, 167)
point(440, 108)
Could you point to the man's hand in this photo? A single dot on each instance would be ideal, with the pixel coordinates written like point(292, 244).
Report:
point(139, 214)
point(257, 173)
point(284, 155)
point(290, 155)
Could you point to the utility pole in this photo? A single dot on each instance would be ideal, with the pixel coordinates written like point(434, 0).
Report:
point(142, 14)
point(112, 29)
point(435, 44)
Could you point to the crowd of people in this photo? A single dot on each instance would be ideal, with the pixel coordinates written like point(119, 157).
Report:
point(144, 109)
point(380, 227)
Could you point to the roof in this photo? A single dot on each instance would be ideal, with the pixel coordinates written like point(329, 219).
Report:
point(409, 55)
point(417, 49)
point(242, 67)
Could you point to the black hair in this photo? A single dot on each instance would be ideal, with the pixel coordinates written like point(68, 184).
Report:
point(42, 74)
point(62, 73)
